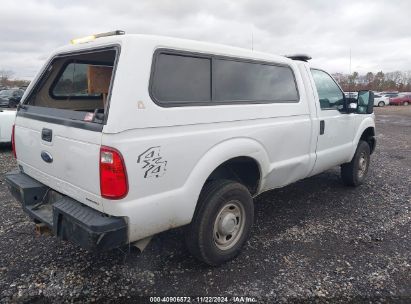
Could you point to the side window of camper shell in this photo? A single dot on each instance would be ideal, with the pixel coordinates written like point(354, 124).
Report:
point(184, 79)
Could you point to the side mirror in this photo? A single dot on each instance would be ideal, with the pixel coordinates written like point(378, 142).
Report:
point(352, 107)
point(365, 102)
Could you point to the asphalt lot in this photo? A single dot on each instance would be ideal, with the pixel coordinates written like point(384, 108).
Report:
point(314, 240)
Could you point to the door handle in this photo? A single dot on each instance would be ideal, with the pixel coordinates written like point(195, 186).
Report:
point(46, 134)
point(322, 127)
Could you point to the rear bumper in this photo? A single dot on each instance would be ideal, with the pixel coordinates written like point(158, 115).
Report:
point(67, 218)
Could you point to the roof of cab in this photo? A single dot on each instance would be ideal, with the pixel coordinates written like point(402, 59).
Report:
point(155, 42)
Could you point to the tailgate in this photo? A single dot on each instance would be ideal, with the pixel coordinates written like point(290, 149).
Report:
point(62, 157)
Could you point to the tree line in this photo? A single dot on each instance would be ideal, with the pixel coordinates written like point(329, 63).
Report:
point(380, 82)
point(6, 80)
point(391, 81)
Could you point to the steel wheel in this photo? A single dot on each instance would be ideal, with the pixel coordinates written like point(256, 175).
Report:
point(229, 225)
point(222, 223)
point(355, 172)
point(362, 164)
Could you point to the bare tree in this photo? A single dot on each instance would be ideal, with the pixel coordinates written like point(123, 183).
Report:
point(5, 76)
point(391, 81)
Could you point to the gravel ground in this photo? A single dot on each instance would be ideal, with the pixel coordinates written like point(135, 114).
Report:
point(315, 240)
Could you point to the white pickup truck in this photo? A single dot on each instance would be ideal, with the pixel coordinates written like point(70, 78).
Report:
point(7, 118)
point(121, 137)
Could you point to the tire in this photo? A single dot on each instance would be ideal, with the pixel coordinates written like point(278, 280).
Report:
point(355, 172)
point(381, 104)
point(224, 208)
point(406, 103)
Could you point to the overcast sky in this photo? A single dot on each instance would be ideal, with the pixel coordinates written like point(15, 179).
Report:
point(377, 32)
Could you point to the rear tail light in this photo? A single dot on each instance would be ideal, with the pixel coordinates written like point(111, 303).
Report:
point(13, 142)
point(113, 175)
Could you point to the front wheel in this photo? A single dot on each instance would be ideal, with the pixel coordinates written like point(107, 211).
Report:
point(355, 172)
point(381, 104)
point(222, 222)
point(406, 103)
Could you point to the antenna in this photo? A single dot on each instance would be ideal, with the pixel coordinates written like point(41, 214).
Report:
point(349, 77)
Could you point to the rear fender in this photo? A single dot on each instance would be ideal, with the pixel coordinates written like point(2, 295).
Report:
point(221, 153)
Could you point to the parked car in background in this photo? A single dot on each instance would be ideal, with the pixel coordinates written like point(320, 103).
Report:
point(380, 100)
point(10, 98)
point(6, 124)
point(401, 100)
point(390, 94)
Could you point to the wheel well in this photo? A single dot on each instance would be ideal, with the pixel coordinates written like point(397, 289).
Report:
point(242, 169)
point(369, 136)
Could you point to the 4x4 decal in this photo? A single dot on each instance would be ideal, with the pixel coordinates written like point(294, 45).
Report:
point(152, 162)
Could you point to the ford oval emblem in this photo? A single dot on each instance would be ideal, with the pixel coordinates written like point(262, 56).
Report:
point(46, 156)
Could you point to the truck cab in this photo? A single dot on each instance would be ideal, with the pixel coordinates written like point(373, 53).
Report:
point(120, 137)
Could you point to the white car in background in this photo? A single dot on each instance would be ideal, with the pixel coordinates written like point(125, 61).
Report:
point(381, 101)
point(7, 118)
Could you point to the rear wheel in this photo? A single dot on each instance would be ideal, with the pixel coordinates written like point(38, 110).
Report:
point(381, 104)
point(406, 103)
point(221, 223)
point(355, 172)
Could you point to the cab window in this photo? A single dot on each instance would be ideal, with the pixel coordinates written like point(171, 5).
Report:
point(329, 93)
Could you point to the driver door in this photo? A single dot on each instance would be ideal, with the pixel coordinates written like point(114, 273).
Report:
point(335, 138)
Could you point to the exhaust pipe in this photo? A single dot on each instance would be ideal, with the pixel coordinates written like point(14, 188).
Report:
point(142, 244)
point(42, 228)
